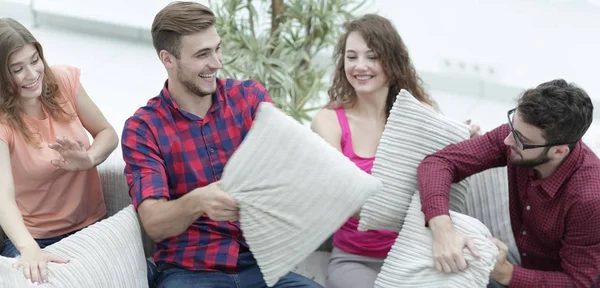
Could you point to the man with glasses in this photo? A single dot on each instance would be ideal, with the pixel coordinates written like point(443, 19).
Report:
point(554, 191)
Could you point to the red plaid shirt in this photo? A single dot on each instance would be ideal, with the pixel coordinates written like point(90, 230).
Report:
point(555, 221)
point(169, 152)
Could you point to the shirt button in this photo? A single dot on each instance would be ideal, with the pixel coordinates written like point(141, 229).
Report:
point(524, 233)
point(212, 150)
point(524, 254)
point(528, 207)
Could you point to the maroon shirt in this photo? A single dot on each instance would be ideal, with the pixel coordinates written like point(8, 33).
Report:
point(555, 221)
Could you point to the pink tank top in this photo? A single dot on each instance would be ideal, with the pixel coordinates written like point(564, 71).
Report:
point(375, 243)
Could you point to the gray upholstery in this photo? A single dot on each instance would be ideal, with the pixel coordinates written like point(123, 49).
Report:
point(314, 267)
point(116, 191)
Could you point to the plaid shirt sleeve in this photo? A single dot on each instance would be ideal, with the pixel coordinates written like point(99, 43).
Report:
point(580, 253)
point(454, 163)
point(144, 167)
point(258, 93)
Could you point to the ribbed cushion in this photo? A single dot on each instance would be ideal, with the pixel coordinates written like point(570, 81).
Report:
point(108, 253)
point(410, 263)
point(412, 132)
point(487, 201)
point(294, 190)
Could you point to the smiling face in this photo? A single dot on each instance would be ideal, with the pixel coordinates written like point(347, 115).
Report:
point(199, 60)
point(362, 66)
point(27, 70)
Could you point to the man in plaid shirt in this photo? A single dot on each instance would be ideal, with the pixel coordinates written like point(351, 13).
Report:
point(554, 191)
point(175, 149)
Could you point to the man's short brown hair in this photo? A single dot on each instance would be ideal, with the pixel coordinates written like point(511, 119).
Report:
point(176, 20)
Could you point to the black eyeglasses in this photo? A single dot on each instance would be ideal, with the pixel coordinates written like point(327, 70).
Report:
point(518, 139)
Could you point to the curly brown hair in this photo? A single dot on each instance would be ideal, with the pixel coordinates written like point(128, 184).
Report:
point(383, 38)
point(14, 36)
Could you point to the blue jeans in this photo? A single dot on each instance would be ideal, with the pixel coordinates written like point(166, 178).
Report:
point(249, 276)
point(11, 251)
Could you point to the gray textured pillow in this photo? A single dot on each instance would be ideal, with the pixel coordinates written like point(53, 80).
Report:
point(412, 132)
point(487, 201)
point(410, 262)
point(108, 253)
point(294, 190)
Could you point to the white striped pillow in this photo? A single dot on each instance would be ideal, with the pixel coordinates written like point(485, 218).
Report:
point(412, 132)
point(294, 190)
point(410, 263)
point(108, 253)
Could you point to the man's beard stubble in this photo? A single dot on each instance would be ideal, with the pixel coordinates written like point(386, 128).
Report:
point(542, 159)
point(191, 85)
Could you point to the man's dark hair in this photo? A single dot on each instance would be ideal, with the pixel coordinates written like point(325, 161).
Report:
point(562, 110)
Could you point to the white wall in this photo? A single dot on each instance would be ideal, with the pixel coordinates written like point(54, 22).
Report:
point(526, 41)
point(132, 13)
point(24, 2)
point(121, 75)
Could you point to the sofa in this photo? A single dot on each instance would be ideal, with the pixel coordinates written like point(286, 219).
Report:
point(116, 196)
point(487, 201)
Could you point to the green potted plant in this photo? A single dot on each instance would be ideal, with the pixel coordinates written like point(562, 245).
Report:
point(278, 48)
